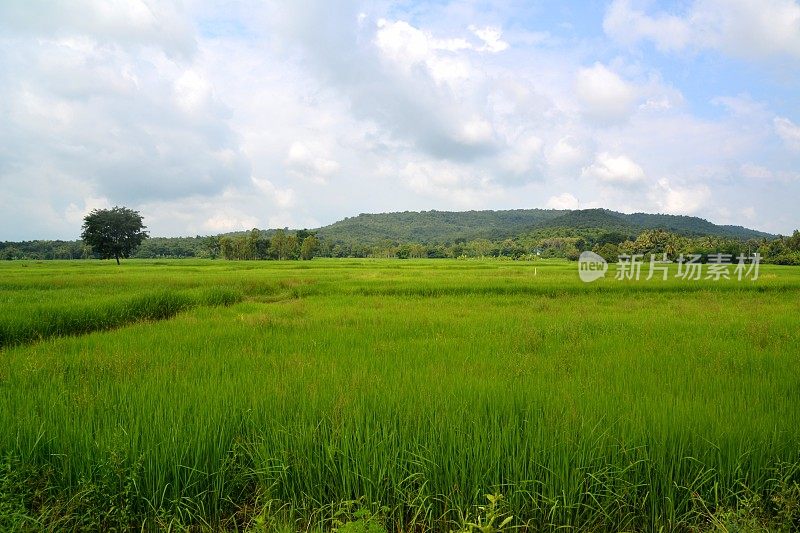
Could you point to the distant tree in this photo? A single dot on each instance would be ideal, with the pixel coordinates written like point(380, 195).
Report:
point(793, 242)
point(62, 251)
point(262, 248)
point(613, 237)
point(252, 244)
point(292, 247)
point(479, 248)
point(226, 247)
point(608, 251)
point(403, 251)
point(257, 246)
point(436, 251)
point(11, 252)
point(113, 232)
point(85, 251)
point(656, 242)
point(210, 247)
point(278, 245)
point(309, 247)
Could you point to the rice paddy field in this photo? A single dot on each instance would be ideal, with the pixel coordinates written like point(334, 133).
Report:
point(389, 395)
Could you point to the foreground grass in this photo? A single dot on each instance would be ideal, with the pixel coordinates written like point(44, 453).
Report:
point(395, 395)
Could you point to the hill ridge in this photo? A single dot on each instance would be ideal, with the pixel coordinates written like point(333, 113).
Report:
point(435, 226)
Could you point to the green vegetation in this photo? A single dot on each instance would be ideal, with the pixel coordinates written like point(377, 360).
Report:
point(113, 233)
point(387, 395)
point(441, 227)
point(435, 226)
point(29, 322)
point(517, 234)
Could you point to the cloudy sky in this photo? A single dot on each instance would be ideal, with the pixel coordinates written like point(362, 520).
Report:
point(218, 116)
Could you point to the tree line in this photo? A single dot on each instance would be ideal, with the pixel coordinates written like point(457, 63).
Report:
point(303, 244)
point(120, 233)
point(282, 245)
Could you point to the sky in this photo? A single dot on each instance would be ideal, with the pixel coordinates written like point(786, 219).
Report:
point(211, 116)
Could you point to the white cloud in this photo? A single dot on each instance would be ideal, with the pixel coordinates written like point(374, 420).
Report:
point(128, 23)
point(192, 90)
point(491, 37)
point(752, 29)
point(680, 200)
point(282, 198)
point(227, 117)
point(755, 172)
point(563, 201)
point(749, 28)
point(567, 154)
point(402, 42)
point(75, 214)
point(522, 156)
point(110, 118)
point(476, 130)
point(448, 181)
point(409, 47)
point(604, 96)
point(406, 44)
point(303, 162)
point(788, 131)
point(627, 25)
point(230, 221)
point(614, 170)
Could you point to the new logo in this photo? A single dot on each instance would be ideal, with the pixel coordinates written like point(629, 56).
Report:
point(591, 266)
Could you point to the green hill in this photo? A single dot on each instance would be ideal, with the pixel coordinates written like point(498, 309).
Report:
point(369, 234)
point(432, 227)
point(590, 219)
point(435, 226)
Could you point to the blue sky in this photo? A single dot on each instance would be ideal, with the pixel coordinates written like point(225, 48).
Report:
point(212, 117)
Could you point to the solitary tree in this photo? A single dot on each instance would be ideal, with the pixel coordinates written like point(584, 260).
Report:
point(113, 232)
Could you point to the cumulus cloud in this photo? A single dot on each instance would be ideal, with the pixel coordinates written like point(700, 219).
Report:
point(455, 183)
point(752, 29)
point(603, 94)
point(681, 200)
point(491, 37)
point(226, 221)
point(137, 126)
point(788, 131)
point(563, 201)
point(163, 25)
point(755, 172)
point(523, 157)
point(628, 25)
point(210, 118)
point(567, 154)
point(305, 163)
point(283, 198)
point(614, 170)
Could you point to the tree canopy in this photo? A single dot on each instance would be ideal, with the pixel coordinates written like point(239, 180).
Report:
point(113, 232)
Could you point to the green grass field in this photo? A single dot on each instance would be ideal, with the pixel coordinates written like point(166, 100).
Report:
point(393, 395)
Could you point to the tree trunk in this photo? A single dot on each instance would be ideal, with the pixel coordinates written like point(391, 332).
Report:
point(116, 256)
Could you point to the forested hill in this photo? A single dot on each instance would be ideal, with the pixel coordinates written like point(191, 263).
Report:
point(449, 226)
point(551, 232)
point(436, 226)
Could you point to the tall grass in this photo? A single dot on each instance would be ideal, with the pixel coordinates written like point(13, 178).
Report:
point(339, 388)
point(75, 318)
